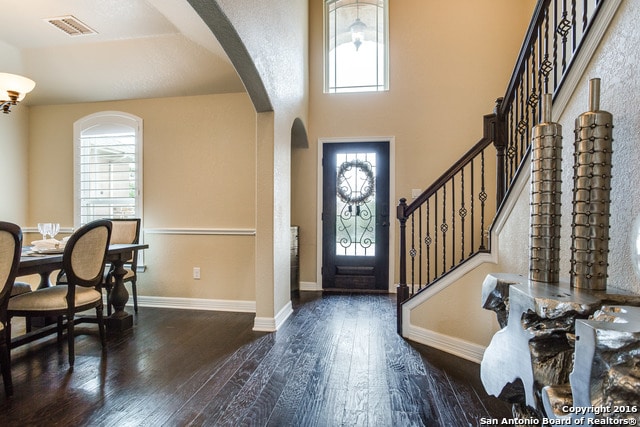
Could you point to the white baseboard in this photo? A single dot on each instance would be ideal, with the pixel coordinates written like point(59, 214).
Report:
point(310, 286)
point(263, 324)
point(455, 346)
point(196, 304)
point(272, 324)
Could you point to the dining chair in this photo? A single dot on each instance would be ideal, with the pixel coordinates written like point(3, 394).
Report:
point(124, 231)
point(10, 250)
point(83, 262)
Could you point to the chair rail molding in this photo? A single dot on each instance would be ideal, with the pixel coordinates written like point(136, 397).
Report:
point(203, 231)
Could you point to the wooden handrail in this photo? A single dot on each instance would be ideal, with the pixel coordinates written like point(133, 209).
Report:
point(488, 137)
point(531, 35)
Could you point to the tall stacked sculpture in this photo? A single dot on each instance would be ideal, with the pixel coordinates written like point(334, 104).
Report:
point(546, 192)
point(591, 195)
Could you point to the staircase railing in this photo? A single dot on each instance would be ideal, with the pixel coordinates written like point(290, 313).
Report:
point(448, 223)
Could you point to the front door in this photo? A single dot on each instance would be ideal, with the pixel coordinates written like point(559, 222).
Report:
point(355, 216)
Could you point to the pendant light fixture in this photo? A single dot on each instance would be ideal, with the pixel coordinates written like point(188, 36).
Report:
point(357, 28)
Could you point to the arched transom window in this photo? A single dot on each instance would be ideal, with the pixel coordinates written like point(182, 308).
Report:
point(356, 46)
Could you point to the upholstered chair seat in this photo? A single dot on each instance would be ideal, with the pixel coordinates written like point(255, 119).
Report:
point(53, 298)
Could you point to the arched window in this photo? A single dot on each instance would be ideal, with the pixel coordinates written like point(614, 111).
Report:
point(107, 167)
point(356, 46)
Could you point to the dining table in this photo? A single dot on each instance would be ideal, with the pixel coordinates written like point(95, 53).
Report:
point(44, 264)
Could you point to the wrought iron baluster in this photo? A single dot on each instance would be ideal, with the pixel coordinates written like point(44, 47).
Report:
point(555, 47)
point(526, 99)
point(574, 29)
point(563, 28)
point(535, 96)
point(521, 122)
point(463, 213)
point(435, 233)
point(444, 228)
point(483, 199)
point(511, 151)
point(585, 11)
point(453, 223)
point(473, 212)
point(428, 241)
point(546, 65)
point(523, 126)
point(412, 253)
point(420, 248)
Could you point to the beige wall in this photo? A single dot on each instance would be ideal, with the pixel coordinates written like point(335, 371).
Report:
point(617, 63)
point(14, 147)
point(199, 172)
point(442, 82)
point(14, 168)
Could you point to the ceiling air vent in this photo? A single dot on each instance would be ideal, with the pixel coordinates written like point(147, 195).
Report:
point(71, 25)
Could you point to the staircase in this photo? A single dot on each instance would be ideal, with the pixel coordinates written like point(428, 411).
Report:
point(449, 223)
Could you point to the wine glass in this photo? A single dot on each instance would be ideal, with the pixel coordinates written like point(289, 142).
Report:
point(44, 228)
point(54, 229)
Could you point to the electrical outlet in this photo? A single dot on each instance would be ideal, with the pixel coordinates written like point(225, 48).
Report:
point(416, 192)
point(196, 273)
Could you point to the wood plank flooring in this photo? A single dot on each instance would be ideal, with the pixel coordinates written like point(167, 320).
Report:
point(337, 361)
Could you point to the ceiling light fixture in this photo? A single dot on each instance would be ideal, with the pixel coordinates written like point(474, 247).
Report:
point(13, 89)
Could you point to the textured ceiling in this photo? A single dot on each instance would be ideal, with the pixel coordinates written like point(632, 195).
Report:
point(142, 49)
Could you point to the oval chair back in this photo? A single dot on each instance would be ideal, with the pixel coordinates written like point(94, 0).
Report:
point(10, 250)
point(85, 253)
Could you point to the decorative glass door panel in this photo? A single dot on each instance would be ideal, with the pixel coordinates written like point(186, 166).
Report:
point(355, 204)
point(355, 215)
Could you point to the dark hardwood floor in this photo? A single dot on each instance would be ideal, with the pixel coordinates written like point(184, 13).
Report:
point(336, 362)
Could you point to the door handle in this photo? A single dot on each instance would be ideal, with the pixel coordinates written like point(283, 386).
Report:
point(384, 216)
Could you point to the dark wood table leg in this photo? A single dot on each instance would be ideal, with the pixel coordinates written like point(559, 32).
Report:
point(120, 320)
point(39, 322)
point(44, 279)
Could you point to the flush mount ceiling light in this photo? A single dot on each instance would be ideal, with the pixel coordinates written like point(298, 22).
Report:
point(13, 89)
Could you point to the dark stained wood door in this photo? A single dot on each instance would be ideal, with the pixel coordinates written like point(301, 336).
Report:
point(355, 216)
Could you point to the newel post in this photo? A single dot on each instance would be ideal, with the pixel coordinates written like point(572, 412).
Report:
point(402, 288)
point(498, 135)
